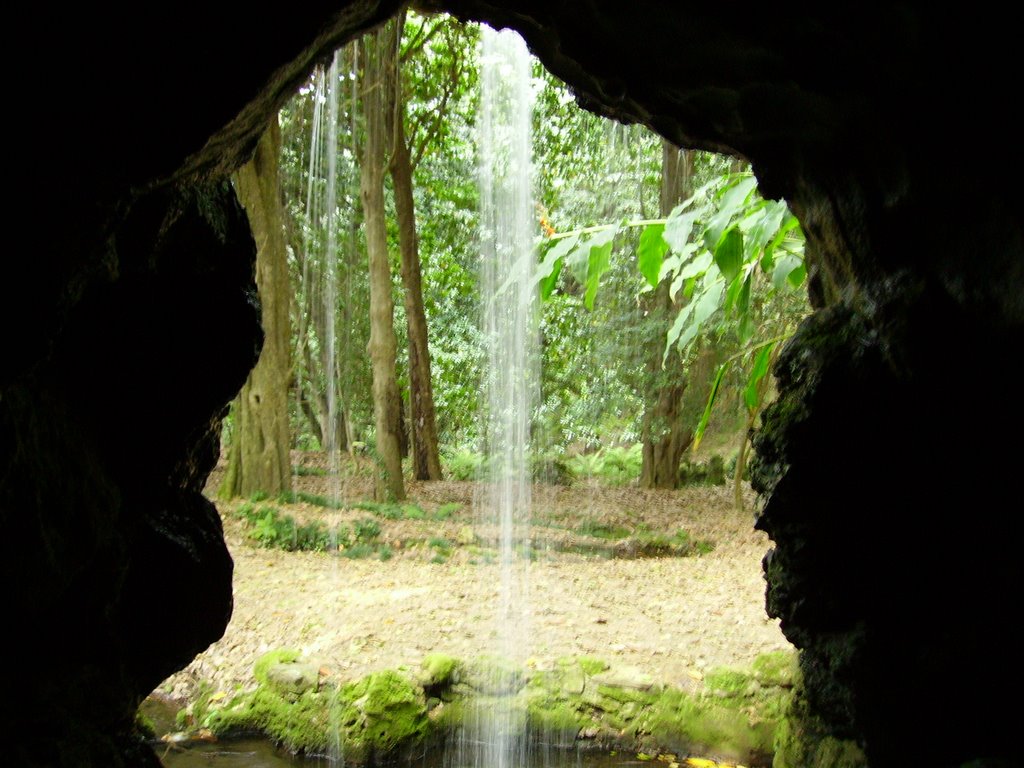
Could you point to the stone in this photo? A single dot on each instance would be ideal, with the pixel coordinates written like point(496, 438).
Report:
point(293, 678)
point(625, 676)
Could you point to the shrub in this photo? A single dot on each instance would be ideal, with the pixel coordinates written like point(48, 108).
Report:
point(464, 464)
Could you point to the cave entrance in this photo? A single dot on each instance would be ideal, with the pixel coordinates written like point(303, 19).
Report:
point(356, 454)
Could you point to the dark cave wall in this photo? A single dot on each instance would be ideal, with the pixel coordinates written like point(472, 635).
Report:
point(886, 467)
point(130, 320)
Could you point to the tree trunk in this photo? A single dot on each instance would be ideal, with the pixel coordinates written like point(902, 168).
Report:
point(666, 431)
point(426, 461)
point(379, 46)
point(258, 458)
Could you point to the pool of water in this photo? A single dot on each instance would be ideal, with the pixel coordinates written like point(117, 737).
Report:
point(258, 753)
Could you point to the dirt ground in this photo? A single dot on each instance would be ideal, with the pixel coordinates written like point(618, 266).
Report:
point(673, 617)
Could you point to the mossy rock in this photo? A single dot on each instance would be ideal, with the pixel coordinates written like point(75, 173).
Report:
point(557, 723)
point(592, 665)
point(300, 724)
point(293, 678)
point(372, 718)
point(732, 687)
point(779, 668)
point(493, 676)
point(380, 713)
point(801, 741)
point(270, 659)
point(682, 722)
point(437, 670)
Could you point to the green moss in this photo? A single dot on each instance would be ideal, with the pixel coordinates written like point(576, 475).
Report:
point(445, 511)
point(728, 682)
point(144, 725)
point(451, 715)
point(556, 723)
point(776, 668)
point(680, 721)
point(437, 670)
point(626, 695)
point(737, 714)
point(380, 713)
point(493, 675)
point(269, 659)
point(802, 741)
point(602, 530)
point(592, 665)
point(301, 725)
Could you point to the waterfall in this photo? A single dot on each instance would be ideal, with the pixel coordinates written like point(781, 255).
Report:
point(495, 733)
point(331, 267)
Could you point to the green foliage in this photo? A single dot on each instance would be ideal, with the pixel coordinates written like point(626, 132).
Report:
point(614, 465)
point(359, 551)
point(723, 252)
point(366, 530)
point(441, 544)
point(293, 497)
point(270, 529)
point(445, 511)
point(303, 471)
point(397, 511)
point(602, 530)
point(463, 464)
point(271, 659)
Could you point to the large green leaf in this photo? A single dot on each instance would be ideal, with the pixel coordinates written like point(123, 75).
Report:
point(598, 262)
point(686, 277)
point(734, 197)
point(729, 252)
point(751, 393)
point(764, 228)
point(547, 284)
point(797, 276)
point(784, 265)
point(736, 193)
point(676, 329)
point(554, 257)
point(702, 426)
point(651, 252)
point(790, 224)
point(678, 227)
point(704, 305)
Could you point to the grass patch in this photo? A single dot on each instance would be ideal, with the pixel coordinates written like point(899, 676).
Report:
point(268, 528)
point(301, 471)
point(294, 497)
point(605, 531)
point(614, 465)
point(272, 530)
point(395, 511)
point(464, 464)
point(445, 511)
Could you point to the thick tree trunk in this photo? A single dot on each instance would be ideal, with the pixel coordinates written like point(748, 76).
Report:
point(426, 461)
point(666, 431)
point(258, 457)
point(382, 347)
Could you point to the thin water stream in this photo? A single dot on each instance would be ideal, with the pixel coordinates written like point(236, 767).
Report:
point(494, 735)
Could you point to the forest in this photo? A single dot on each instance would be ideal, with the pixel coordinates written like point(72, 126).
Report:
point(666, 283)
point(656, 288)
